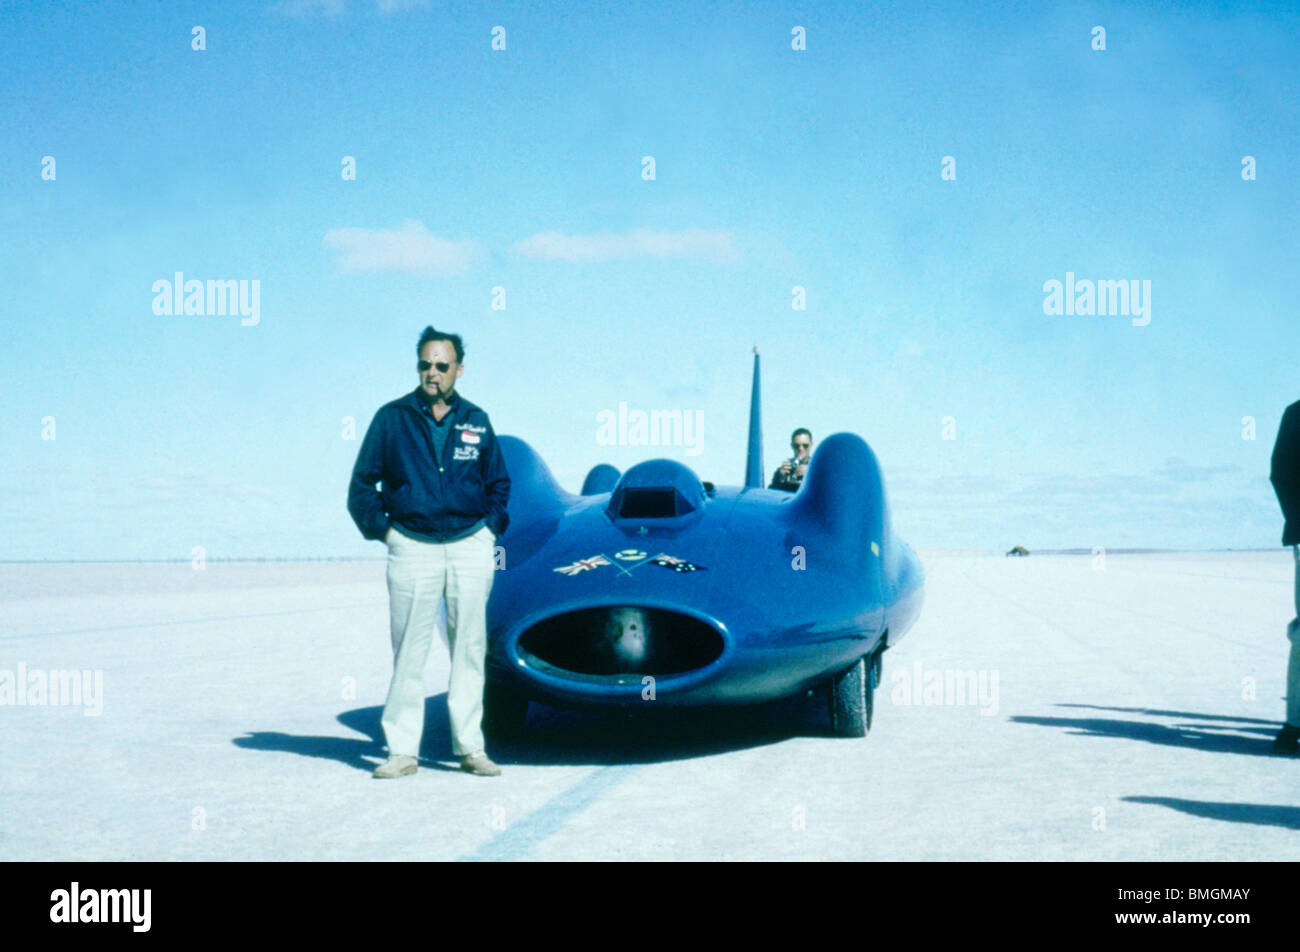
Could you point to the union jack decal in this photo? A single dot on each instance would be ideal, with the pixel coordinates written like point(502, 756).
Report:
point(583, 565)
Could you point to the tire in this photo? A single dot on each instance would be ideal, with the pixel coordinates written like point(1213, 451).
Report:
point(852, 696)
point(504, 712)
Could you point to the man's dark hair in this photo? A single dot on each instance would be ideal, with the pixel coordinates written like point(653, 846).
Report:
point(429, 334)
point(804, 430)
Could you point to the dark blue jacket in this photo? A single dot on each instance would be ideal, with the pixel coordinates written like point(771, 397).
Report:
point(1285, 473)
point(442, 497)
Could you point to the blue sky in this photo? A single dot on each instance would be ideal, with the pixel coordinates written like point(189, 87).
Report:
point(522, 169)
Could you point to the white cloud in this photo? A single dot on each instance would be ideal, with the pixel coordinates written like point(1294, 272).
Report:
point(410, 247)
point(695, 243)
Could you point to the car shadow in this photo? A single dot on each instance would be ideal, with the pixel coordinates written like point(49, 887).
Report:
point(1223, 734)
point(1263, 814)
point(553, 736)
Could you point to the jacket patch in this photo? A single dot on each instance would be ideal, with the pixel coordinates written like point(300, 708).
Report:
point(470, 427)
point(467, 437)
point(466, 452)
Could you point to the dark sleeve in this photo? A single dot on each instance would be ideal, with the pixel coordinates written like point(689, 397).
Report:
point(364, 502)
point(496, 482)
point(1285, 469)
point(777, 481)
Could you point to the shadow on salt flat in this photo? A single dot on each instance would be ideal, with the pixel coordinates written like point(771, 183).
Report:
point(554, 736)
point(1225, 734)
point(1152, 712)
point(1263, 814)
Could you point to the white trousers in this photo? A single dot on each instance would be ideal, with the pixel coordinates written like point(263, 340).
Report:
point(1293, 663)
point(420, 575)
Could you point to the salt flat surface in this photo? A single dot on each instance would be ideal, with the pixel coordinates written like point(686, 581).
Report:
point(1126, 713)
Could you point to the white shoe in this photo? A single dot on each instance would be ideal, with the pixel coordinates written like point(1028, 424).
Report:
point(480, 764)
point(396, 766)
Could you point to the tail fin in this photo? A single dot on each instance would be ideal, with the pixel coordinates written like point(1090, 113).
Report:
point(754, 459)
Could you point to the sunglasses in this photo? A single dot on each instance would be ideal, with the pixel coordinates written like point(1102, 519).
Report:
point(803, 446)
point(425, 365)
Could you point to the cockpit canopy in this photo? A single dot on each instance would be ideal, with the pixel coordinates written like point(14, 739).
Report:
point(656, 489)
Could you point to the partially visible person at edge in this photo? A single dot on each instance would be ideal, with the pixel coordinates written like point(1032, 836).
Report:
point(1285, 476)
point(789, 475)
point(440, 509)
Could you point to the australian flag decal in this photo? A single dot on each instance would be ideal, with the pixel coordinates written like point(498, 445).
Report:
point(676, 564)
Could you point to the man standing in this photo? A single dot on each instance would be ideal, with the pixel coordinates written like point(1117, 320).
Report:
point(789, 475)
point(1285, 476)
point(440, 508)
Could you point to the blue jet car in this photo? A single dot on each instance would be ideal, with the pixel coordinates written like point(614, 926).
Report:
point(653, 586)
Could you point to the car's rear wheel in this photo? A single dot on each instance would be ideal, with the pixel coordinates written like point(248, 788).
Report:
point(851, 697)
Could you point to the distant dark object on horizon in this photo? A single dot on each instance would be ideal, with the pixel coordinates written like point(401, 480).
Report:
point(1019, 550)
